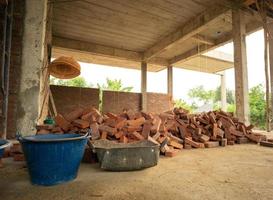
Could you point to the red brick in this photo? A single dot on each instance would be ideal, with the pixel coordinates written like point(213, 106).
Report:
point(146, 130)
point(57, 130)
point(119, 134)
point(94, 130)
point(204, 138)
point(137, 135)
point(171, 153)
point(136, 122)
point(152, 140)
point(124, 139)
point(45, 127)
point(43, 131)
point(194, 144)
point(75, 114)
point(230, 142)
point(18, 157)
point(80, 123)
point(211, 144)
point(103, 135)
point(62, 122)
point(175, 144)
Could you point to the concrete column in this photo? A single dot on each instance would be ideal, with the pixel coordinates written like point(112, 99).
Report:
point(223, 92)
point(240, 65)
point(144, 86)
point(32, 63)
point(170, 80)
point(270, 29)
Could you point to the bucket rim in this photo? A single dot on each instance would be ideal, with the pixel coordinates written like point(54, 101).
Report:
point(6, 144)
point(33, 139)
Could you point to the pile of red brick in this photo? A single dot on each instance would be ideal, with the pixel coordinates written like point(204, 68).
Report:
point(15, 151)
point(172, 130)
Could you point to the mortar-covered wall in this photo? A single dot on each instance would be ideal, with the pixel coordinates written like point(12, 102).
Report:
point(15, 64)
point(67, 98)
point(117, 101)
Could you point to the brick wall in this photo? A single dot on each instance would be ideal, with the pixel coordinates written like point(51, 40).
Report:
point(157, 102)
point(116, 101)
point(15, 64)
point(67, 98)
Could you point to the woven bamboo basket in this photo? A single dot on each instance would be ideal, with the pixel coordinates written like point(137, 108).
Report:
point(65, 68)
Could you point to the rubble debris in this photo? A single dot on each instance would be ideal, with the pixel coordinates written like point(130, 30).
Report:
point(173, 130)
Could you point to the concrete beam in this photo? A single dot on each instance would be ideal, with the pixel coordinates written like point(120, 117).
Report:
point(143, 86)
point(203, 39)
point(187, 30)
point(102, 50)
point(170, 80)
point(250, 28)
point(240, 65)
point(32, 63)
point(223, 92)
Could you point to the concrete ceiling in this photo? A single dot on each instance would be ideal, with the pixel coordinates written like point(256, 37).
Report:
point(124, 32)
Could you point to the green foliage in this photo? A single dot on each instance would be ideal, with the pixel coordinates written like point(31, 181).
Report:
point(75, 82)
point(231, 108)
point(257, 106)
point(217, 95)
point(180, 103)
point(257, 102)
point(201, 95)
point(114, 85)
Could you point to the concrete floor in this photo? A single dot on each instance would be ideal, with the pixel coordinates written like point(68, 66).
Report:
point(235, 172)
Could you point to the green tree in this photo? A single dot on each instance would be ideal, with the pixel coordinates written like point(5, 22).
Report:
point(114, 85)
point(75, 82)
point(257, 106)
point(180, 103)
point(201, 95)
point(230, 95)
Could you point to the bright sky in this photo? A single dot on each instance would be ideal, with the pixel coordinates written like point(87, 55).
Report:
point(183, 79)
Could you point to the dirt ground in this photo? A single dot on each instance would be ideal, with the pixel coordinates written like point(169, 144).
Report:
point(235, 172)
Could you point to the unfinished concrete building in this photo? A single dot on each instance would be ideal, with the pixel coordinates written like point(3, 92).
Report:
point(150, 36)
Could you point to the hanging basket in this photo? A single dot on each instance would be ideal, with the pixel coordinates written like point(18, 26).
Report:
point(64, 68)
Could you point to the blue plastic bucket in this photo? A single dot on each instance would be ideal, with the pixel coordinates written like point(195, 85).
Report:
point(52, 158)
point(3, 145)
